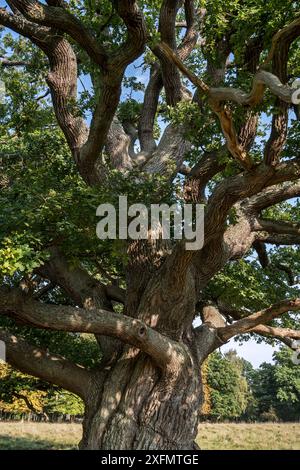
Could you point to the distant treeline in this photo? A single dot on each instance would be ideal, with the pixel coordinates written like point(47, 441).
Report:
point(234, 390)
point(40, 417)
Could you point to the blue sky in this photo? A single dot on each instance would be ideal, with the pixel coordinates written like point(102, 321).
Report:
point(251, 351)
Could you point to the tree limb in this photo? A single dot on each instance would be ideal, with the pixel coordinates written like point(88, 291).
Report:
point(40, 363)
point(137, 35)
point(96, 321)
point(155, 84)
point(86, 144)
point(277, 226)
point(286, 335)
point(217, 96)
point(264, 316)
point(149, 109)
point(207, 167)
point(262, 253)
point(278, 239)
point(84, 289)
point(59, 18)
point(242, 186)
point(13, 63)
point(272, 195)
point(170, 73)
point(170, 152)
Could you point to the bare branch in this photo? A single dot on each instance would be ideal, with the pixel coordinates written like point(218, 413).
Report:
point(261, 80)
point(237, 151)
point(13, 63)
point(164, 50)
point(277, 226)
point(264, 316)
point(286, 335)
point(273, 195)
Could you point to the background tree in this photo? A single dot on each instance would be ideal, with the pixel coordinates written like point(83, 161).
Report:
point(228, 388)
point(276, 387)
point(21, 394)
point(195, 133)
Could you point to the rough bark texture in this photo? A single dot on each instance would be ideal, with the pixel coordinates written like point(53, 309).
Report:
point(139, 407)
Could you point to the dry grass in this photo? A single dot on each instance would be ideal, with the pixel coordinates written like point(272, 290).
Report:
point(243, 436)
point(211, 436)
point(25, 436)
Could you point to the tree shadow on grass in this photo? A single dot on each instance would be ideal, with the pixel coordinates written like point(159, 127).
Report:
point(30, 443)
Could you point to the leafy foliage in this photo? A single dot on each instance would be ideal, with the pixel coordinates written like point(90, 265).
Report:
point(277, 387)
point(228, 388)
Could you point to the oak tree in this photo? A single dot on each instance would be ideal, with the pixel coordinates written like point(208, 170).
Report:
point(216, 123)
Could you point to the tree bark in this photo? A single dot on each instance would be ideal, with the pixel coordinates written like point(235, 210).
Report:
point(135, 404)
point(139, 407)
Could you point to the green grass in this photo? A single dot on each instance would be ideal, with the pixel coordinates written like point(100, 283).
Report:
point(211, 436)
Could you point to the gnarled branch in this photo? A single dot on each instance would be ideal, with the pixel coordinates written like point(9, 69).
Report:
point(96, 321)
point(61, 19)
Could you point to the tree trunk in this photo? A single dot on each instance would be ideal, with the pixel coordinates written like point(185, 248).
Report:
point(140, 407)
point(135, 403)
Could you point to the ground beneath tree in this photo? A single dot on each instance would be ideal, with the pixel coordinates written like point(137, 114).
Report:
point(283, 436)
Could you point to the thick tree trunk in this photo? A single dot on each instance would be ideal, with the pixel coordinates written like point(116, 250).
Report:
point(135, 403)
point(139, 407)
point(138, 401)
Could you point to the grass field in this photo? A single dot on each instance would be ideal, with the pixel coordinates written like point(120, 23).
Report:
point(262, 436)
point(211, 436)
